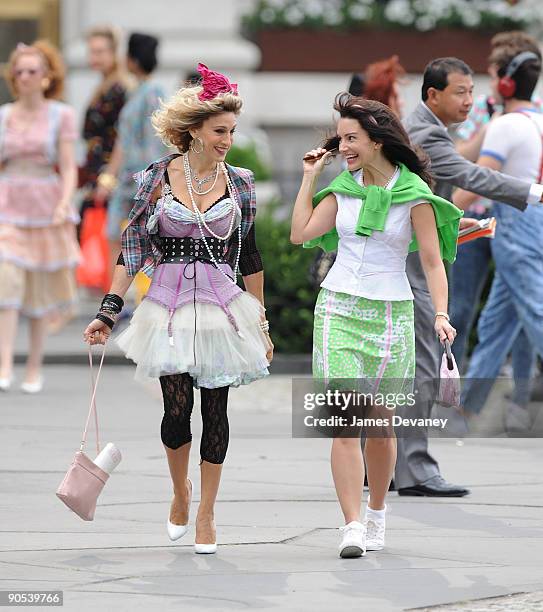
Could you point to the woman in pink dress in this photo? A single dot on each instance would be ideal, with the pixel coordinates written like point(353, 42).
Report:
point(38, 247)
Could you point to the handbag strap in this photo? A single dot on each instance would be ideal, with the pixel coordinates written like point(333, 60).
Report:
point(450, 359)
point(92, 408)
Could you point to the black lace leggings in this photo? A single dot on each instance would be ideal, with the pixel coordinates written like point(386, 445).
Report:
point(178, 394)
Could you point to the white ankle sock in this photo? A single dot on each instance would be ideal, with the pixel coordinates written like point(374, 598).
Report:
point(376, 515)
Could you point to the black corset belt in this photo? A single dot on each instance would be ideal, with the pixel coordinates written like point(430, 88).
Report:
point(187, 250)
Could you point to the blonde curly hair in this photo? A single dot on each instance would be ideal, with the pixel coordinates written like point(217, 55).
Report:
point(184, 111)
point(53, 64)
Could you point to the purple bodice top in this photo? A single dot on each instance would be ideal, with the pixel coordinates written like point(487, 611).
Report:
point(176, 284)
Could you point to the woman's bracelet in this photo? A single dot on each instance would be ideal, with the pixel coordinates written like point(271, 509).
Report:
point(109, 313)
point(265, 326)
point(442, 314)
point(105, 319)
point(107, 181)
point(112, 302)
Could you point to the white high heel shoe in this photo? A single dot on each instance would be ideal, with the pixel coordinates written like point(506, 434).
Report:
point(206, 549)
point(32, 387)
point(178, 531)
point(5, 383)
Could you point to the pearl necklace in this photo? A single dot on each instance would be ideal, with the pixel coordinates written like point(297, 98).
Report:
point(200, 218)
point(385, 186)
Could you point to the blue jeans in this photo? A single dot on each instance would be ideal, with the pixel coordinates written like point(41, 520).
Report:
point(467, 279)
point(515, 303)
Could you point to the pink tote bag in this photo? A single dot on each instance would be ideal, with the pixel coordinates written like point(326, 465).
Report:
point(84, 480)
point(449, 385)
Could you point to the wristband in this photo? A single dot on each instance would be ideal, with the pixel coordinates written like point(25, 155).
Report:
point(104, 319)
point(112, 314)
point(112, 302)
point(442, 314)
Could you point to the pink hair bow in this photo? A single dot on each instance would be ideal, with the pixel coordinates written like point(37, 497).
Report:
point(214, 83)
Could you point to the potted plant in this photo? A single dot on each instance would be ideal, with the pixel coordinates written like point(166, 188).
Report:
point(345, 35)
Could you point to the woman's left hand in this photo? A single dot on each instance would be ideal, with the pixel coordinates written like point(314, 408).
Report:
point(466, 222)
point(61, 212)
point(444, 330)
point(269, 353)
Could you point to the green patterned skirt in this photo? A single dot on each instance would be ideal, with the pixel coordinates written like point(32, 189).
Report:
point(368, 340)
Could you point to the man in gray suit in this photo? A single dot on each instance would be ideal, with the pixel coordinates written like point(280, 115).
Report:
point(447, 97)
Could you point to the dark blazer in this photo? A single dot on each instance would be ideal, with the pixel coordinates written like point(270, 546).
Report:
point(451, 170)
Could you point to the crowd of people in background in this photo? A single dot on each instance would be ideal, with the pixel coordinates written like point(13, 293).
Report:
point(39, 177)
point(485, 155)
point(36, 247)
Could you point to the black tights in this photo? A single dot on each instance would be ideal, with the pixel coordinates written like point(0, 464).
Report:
point(178, 394)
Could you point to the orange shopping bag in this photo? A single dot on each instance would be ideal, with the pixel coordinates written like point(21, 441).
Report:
point(93, 271)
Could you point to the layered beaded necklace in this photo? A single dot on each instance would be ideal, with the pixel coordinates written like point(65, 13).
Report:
point(200, 217)
point(201, 182)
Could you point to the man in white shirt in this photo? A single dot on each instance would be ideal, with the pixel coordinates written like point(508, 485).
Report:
point(447, 97)
point(514, 144)
point(472, 265)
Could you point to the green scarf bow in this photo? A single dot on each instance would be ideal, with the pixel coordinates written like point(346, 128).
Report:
point(377, 202)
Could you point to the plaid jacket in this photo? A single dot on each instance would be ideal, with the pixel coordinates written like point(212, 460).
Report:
point(141, 250)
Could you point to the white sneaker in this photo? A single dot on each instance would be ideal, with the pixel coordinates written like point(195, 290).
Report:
point(517, 419)
point(375, 533)
point(353, 542)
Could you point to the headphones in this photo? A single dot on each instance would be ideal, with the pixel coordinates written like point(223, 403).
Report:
point(507, 85)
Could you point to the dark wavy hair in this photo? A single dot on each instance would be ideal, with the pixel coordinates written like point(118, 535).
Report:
point(383, 127)
point(142, 48)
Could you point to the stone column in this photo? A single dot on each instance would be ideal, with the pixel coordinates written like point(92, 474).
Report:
point(190, 31)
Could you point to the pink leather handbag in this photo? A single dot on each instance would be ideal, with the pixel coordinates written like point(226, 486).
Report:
point(449, 385)
point(84, 480)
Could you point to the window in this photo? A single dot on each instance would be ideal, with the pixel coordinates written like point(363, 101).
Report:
point(25, 21)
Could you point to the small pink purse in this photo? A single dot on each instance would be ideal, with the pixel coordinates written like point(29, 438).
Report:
point(449, 385)
point(84, 480)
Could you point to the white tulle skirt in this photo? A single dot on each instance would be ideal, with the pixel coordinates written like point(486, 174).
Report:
point(206, 345)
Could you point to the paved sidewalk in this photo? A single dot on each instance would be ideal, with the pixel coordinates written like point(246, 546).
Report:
point(277, 516)
point(509, 603)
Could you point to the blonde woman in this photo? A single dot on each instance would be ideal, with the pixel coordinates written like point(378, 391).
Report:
point(38, 247)
point(191, 229)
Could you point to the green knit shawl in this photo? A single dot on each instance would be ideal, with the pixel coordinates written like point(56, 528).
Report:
point(373, 214)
